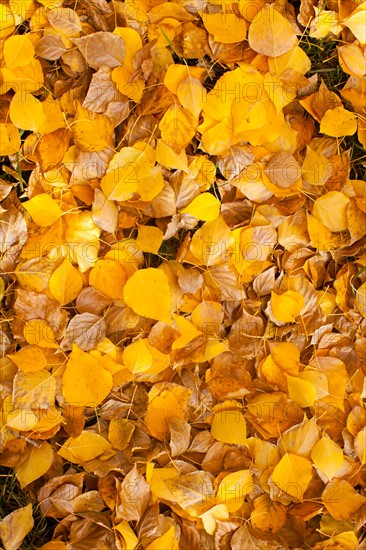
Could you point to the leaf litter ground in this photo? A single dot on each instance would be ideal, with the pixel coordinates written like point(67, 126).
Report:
point(183, 274)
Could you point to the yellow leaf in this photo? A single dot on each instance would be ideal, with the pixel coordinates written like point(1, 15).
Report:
point(9, 138)
point(82, 240)
point(351, 59)
point(177, 73)
point(125, 171)
point(149, 238)
point(133, 44)
point(187, 330)
point(86, 446)
point(301, 391)
point(360, 445)
point(226, 27)
point(16, 526)
point(229, 427)
point(287, 306)
point(129, 537)
point(169, 158)
point(295, 59)
point(268, 515)
point(140, 357)
point(120, 432)
point(168, 541)
point(85, 382)
point(126, 84)
point(341, 499)
point(193, 492)
point(327, 456)
point(316, 168)
point(29, 359)
point(356, 22)
point(137, 357)
point(7, 25)
point(177, 127)
point(166, 400)
point(292, 475)
point(36, 463)
point(331, 210)
point(91, 131)
point(286, 356)
point(219, 512)
point(205, 207)
point(65, 283)
point(51, 3)
point(324, 23)
point(148, 293)
point(43, 209)
point(338, 122)
point(270, 33)
point(191, 94)
point(18, 51)
point(109, 278)
point(26, 112)
point(211, 243)
point(234, 488)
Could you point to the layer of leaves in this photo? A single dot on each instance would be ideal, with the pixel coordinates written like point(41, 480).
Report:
point(183, 277)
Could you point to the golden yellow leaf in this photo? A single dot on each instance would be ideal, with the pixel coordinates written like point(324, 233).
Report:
point(226, 27)
point(234, 488)
point(341, 499)
point(270, 33)
point(128, 535)
point(15, 527)
point(205, 207)
point(7, 25)
point(125, 171)
point(140, 357)
point(26, 112)
point(356, 22)
point(86, 446)
point(268, 515)
point(43, 209)
point(91, 131)
point(360, 445)
point(120, 432)
point(287, 306)
point(29, 359)
point(65, 283)
point(338, 122)
point(82, 240)
point(36, 463)
point(219, 512)
point(192, 95)
point(211, 243)
point(229, 426)
point(168, 541)
point(127, 84)
point(148, 293)
point(149, 239)
point(85, 382)
point(108, 277)
point(166, 400)
point(331, 210)
point(169, 158)
point(10, 139)
point(18, 51)
point(292, 475)
point(327, 456)
point(316, 168)
point(177, 127)
point(301, 391)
